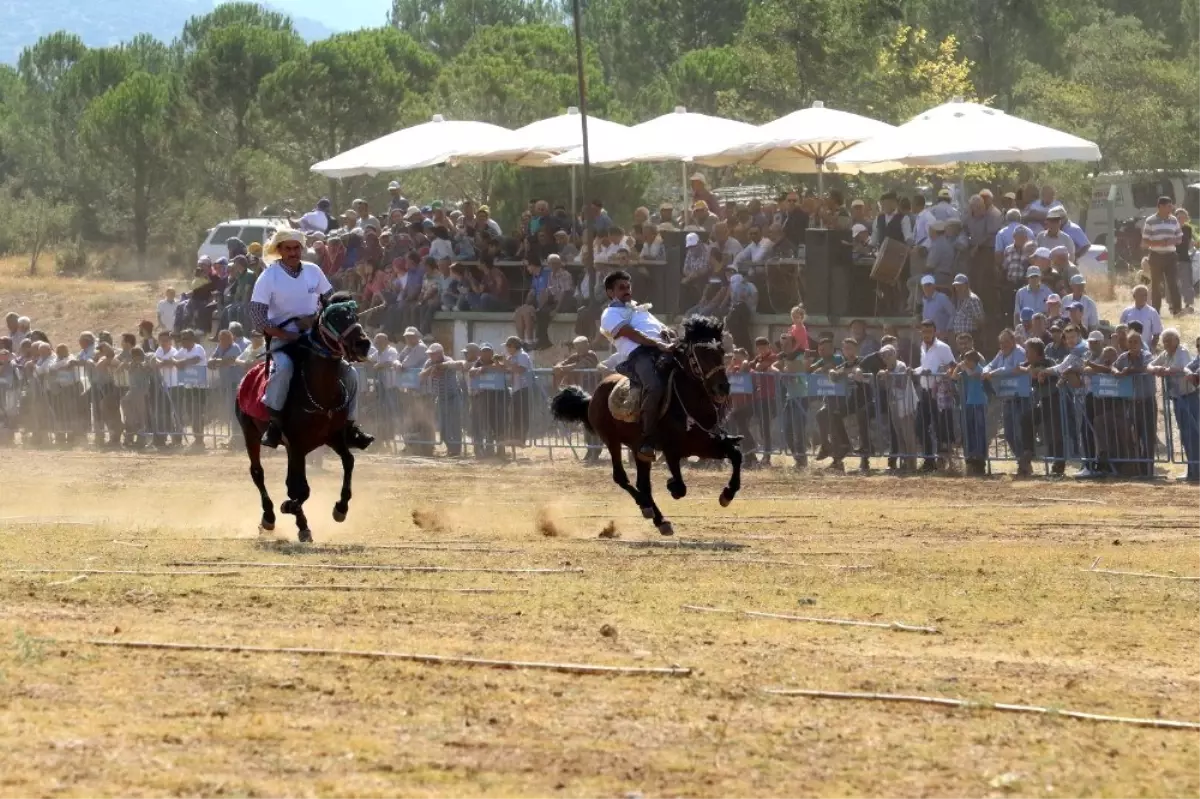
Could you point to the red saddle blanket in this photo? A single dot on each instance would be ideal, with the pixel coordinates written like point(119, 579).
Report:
point(250, 392)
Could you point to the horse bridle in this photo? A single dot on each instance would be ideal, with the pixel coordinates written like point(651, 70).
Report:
point(696, 370)
point(336, 348)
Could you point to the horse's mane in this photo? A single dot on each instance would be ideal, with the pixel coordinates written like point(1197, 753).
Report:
point(339, 296)
point(703, 330)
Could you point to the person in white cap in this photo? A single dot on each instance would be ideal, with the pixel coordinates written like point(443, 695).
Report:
point(1033, 295)
point(1054, 236)
point(396, 201)
point(1091, 315)
point(700, 191)
point(860, 236)
point(695, 268)
point(935, 306)
point(285, 302)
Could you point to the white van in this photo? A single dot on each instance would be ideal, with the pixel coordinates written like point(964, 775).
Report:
point(1137, 197)
point(248, 230)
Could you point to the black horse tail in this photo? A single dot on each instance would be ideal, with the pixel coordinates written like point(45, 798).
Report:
point(571, 405)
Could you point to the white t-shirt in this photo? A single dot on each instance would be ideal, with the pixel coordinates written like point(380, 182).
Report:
point(286, 296)
point(616, 316)
point(936, 358)
point(166, 313)
point(168, 376)
point(441, 249)
point(196, 375)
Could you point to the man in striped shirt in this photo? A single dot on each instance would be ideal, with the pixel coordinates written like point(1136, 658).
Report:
point(1160, 235)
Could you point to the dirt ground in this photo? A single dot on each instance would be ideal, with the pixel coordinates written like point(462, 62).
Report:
point(998, 567)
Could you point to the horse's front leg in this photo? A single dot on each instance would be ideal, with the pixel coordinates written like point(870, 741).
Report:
point(298, 492)
point(675, 484)
point(733, 452)
point(647, 497)
point(621, 478)
point(342, 506)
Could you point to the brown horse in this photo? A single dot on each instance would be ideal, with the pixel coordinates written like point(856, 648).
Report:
point(315, 413)
point(691, 425)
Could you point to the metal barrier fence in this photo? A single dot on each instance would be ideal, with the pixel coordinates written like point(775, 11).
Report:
point(1106, 425)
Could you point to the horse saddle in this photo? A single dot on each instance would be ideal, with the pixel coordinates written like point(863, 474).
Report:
point(625, 400)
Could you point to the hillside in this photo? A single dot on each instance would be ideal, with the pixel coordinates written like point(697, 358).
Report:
point(102, 24)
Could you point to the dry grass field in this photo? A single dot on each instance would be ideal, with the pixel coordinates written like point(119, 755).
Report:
point(997, 567)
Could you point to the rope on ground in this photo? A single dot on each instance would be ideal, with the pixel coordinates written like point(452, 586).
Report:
point(757, 614)
point(164, 573)
point(380, 568)
point(997, 706)
point(437, 660)
point(344, 587)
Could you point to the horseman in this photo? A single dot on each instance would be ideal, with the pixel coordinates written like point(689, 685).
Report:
point(287, 297)
point(640, 339)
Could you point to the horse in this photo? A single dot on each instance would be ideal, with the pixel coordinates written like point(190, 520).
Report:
point(697, 391)
point(315, 413)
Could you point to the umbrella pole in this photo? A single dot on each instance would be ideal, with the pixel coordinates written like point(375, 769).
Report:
point(587, 163)
point(687, 206)
point(820, 190)
point(574, 205)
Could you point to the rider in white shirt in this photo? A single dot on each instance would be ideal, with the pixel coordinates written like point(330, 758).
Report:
point(638, 338)
point(286, 300)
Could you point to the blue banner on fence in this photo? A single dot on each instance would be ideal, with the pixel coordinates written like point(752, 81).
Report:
point(1111, 387)
point(741, 384)
point(491, 381)
point(823, 386)
point(1012, 386)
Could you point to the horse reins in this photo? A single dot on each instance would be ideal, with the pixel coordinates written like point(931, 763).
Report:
point(697, 371)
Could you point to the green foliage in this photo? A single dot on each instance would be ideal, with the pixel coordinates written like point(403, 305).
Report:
point(445, 26)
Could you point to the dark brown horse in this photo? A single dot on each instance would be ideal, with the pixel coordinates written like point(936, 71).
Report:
point(690, 427)
point(315, 413)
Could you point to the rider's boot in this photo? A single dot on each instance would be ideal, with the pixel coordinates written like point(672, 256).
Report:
point(356, 438)
point(649, 445)
point(274, 435)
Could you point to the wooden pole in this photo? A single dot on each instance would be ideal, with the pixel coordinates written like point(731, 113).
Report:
point(437, 660)
point(997, 706)
point(128, 571)
point(344, 587)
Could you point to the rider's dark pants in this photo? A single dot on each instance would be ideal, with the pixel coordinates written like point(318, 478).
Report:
point(643, 362)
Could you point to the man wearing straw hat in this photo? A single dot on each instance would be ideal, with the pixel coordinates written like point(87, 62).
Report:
point(286, 300)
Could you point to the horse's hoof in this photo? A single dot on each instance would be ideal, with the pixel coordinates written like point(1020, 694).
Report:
point(678, 490)
point(725, 498)
point(339, 516)
point(286, 507)
point(266, 527)
point(305, 536)
point(647, 513)
point(666, 529)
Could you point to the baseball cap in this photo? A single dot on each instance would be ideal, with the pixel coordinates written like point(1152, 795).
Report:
point(1165, 200)
point(1023, 230)
point(1010, 195)
point(438, 348)
point(1075, 306)
point(435, 205)
point(927, 280)
point(413, 211)
point(427, 209)
point(1026, 314)
point(487, 347)
point(1059, 250)
point(1096, 335)
point(580, 340)
point(1042, 252)
point(960, 279)
point(692, 239)
point(943, 194)
point(412, 331)
point(666, 207)
point(1054, 298)
point(1033, 271)
point(854, 231)
point(1078, 280)
point(394, 186)
point(358, 200)
point(700, 177)
point(858, 202)
point(1057, 212)
point(735, 279)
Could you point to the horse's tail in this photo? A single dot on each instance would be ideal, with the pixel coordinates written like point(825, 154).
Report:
point(571, 405)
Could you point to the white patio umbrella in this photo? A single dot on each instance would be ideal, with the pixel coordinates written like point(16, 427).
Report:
point(431, 143)
point(678, 136)
point(542, 140)
point(802, 141)
point(959, 132)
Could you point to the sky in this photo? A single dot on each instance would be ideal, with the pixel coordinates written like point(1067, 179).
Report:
point(339, 16)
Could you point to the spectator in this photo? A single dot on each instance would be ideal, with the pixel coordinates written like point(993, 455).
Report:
point(1004, 237)
point(490, 406)
point(860, 241)
point(579, 357)
point(525, 317)
point(224, 375)
point(1145, 314)
point(941, 262)
point(520, 368)
point(1135, 363)
point(834, 214)
point(566, 249)
point(440, 374)
point(255, 350)
point(318, 220)
point(1015, 408)
point(743, 303)
point(936, 306)
point(1161, 236)
point(968, 309)
point(1054, 310)
point(362, 215)
point(15, 334)
point(934, 411)
point(191, 378)
point(1038, 206)
point(902, 407)
point(968, 374)
point(1033, 295)
point(858, 214)
point(1052, 235)
point(723, 243)
point(701, 193)
point(1183, 255)
point(484, 221)
point(890, 224)
point(1172, 365)
point(396, 201)
point(168, 306)
point(702, 218)
point(666, 217)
